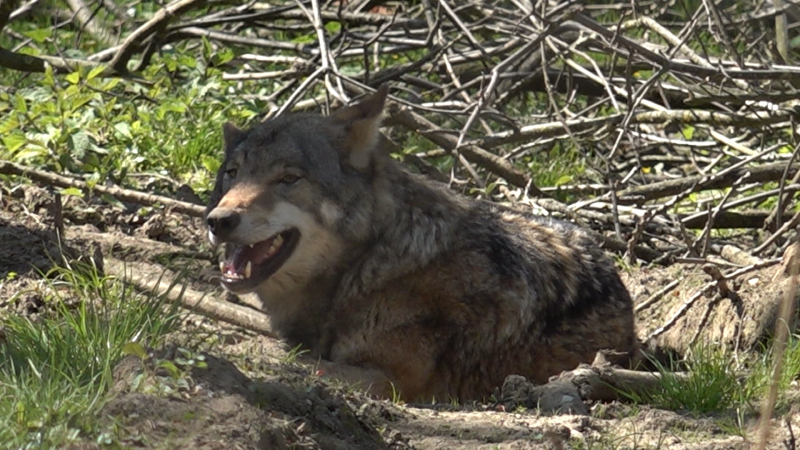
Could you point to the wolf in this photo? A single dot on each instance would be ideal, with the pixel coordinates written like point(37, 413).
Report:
point(394, 282)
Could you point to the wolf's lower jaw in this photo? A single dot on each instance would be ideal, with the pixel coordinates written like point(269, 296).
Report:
point(247, 266)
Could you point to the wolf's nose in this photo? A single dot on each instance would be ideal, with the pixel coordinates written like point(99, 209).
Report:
point(222, 222)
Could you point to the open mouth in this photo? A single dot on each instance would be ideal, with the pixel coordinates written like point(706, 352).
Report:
point(247, 266)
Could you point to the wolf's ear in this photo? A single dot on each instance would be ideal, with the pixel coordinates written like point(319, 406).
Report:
point(362, 122)
point(231, 136)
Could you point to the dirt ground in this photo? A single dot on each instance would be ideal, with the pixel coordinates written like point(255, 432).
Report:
point(254, 394)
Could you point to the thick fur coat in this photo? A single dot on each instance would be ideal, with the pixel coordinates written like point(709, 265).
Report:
point(395, 282)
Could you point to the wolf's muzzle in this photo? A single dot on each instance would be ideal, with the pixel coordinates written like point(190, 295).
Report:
point(222, 222)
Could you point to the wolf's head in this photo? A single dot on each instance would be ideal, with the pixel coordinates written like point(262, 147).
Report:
point(293, 195)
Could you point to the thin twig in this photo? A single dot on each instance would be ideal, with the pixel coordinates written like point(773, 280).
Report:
point(127, 195)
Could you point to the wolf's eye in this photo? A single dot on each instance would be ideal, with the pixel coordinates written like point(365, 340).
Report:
point(231, 173)
point(289, 179)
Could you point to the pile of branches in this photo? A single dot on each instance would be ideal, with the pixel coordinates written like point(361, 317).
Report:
point(673, 138)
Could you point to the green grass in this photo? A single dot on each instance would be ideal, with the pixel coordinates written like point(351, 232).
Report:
point(711, 385)
point(56, 370)
point(717, 384)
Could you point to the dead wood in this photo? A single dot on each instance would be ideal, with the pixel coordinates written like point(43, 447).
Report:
point(130, 259)
point(756, 174)
point(606, 383)
point(737, 310)
point(598, 382)
point(473, 153)
point(154, 278)
point(128, 195)
point(748, 218)
point(88, 20)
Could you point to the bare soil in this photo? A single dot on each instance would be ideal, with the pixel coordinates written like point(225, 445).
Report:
point(253, 393)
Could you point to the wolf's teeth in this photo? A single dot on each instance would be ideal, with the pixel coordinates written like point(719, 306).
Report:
point(251, 245)
point(248, 269)
point(222, 267)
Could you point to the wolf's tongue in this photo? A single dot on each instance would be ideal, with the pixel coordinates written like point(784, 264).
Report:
point(257, 254)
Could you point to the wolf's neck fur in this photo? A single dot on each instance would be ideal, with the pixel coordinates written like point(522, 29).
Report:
point(415, 220)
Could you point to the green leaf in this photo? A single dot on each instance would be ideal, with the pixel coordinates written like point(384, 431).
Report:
point(92, 179)
point(95, 72)
point(49, 79)
point(8, 125)
point(80, 100)
point(112, 201)
point(98, 149)
point(211, 164)
point(124, 129)
point(307, 39)
point(688, 132)
point(333, 27)
point(564, 179)
point(31, 152)
point(31, 51)
point(222, 56)
point(38, 35)
point(171, 62)
point(188, 61)
point(171, 368)
point(20, 105)
point(111, 83)
point(134, 348)
point(247, 113)
point(38, 95)
point(73, 77)
point(79, 142)
point(208, 50)
point(73, 191)
point(14, 141)
point(171, 107)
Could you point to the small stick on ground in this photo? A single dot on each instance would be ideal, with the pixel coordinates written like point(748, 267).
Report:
point(147, 277)
point(603, 382)
point(127, 195)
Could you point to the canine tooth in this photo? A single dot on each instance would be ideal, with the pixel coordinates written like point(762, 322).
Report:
point(222, 267)
point(278, 241)
point(248, 269)
point(251, 245)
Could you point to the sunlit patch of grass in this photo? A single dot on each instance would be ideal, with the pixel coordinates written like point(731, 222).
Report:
point(55, 370)
point(712, 381)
